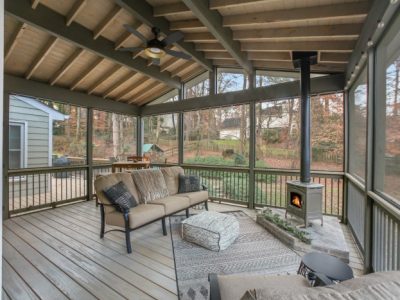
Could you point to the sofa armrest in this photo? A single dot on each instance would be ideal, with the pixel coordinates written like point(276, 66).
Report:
point(214, 287)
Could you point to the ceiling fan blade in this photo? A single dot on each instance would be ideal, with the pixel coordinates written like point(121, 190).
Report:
point(173, 38)
point(156, 61)
point(177, 54)
point(135, 32)
point(132, 49)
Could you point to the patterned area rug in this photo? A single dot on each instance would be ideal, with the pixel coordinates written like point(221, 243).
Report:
point(254, 251)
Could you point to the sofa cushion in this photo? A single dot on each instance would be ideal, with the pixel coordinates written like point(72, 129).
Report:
point(120, 197)
point(195, 197)
point(171, 176)
point(173, 204)
point(188, 183)
point(103, 182)
point(151, 185)
point(233, 287)
point(139, 215)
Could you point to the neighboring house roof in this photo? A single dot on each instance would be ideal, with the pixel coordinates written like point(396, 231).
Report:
point(53, 114)
point(231, 123)
point(148, 147)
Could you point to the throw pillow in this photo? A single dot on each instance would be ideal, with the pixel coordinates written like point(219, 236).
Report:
point(120, 197)
point(188, 183)
point(151, 185)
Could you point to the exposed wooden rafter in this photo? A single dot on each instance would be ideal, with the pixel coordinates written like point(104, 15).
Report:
point(107, 21)
point(66, 66)
point(130, 88)
point(35, 3)
point(86, 73)
point(141, 93)
point(346, 46)
point(217, 4)
point(41, 57)
point(349, 10)
point(214, 23)
point(169, 64)
point(144, 12)
point(186, 24)
point(54, 23)
point(13, 41)
point(334, 57)
point(116, 85)
point(181, 68)
point(109, 74)
point(199, 37)
point(269, 55)
point(75, 10)
point(220, 55)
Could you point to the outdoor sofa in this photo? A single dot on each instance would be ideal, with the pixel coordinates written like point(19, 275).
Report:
point(147, 211)
point(374, 286)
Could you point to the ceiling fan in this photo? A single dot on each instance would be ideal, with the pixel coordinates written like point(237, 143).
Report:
point(155, 48)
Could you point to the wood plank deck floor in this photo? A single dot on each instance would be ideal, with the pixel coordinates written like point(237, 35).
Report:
point(57, 254)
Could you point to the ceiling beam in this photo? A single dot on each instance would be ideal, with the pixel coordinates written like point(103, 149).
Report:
point(86, 73)
point(269, 56)
point(67, 65)
point(21, 86)
point(54, 24)
point(44, 52)
point(170, 9)
point(323, 31)
point(107, 21)
point(319, 85)
point(216, 4)
point(109, 73)
point(75, 10)
point(323, 12)
point(334, 57)
point(299, 46)
point(143, 11)
point(288, 66)
point(214, 23)
point(13, 41)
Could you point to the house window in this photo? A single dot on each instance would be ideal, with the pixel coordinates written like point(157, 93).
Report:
point(16, 146)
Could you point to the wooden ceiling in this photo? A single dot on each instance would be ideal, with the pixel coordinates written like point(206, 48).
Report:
point(230, 33)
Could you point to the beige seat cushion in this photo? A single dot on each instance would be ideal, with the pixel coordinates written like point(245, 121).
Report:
point(150, 184)
point(173, 204)
point(139, 215)
point(171, 176)
point(233, 287)
point(104, 182)
point(195, 197)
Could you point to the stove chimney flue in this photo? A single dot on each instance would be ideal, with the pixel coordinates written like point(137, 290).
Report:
point(303, 61)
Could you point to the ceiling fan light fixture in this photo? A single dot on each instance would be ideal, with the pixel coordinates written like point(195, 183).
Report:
point(154, 52)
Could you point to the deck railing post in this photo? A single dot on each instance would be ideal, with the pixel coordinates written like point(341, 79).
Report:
point(181, 120)
point(139, 136)
point(89, 154)
point(6, 115)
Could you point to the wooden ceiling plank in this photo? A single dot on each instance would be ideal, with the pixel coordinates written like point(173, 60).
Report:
point(210, 47)
point(143, 11)
point(41, 57)
point(170, 9)
point(168, 64)
point(13, 41)
point(281, 56)
point(217, 4)
point(334, 57)
point(54, 23)
point(66, 66)
point(116, 85)
point(129, 89)
point(159, 92)
point(86, 73)
point(110, 73)
point(220, 55)
point(339, 46)
point(126, 35)
point(214, 23)
point(35, 3)
point(149, 89)
point(178, 70)
point(107, 21)
point(339, 30)
point(75, 10)
point(186, 24)
point(199, 37)
point(192, 73)
point(297, 14)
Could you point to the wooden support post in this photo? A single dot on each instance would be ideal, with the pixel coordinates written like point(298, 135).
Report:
point(89, 153)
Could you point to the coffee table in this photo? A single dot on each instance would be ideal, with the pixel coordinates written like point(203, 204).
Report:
point(330, 266)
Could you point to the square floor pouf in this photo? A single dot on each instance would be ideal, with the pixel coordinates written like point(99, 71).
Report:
point(211, 230)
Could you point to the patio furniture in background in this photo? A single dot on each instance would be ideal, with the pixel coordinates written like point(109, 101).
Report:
point(136, 158)
point(123, 165)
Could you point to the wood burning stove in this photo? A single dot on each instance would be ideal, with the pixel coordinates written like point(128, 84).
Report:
point(304, 200)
